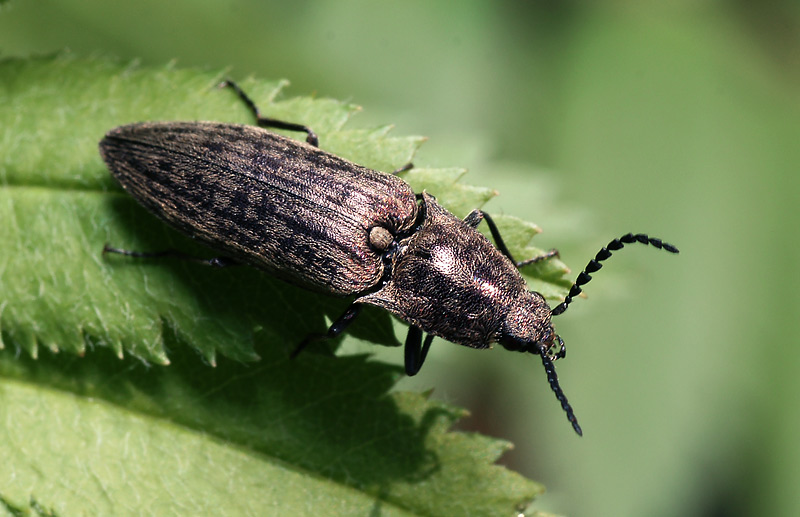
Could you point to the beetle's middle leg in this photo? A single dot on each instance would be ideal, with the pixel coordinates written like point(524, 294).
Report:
point(336, 328)
point(404, 168)
point(262, 121)
point(475, 217)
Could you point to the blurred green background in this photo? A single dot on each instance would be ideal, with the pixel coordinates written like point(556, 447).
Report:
point(591, 120)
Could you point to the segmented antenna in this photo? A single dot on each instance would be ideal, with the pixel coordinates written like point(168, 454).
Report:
point(595, 265)
point(552, 378)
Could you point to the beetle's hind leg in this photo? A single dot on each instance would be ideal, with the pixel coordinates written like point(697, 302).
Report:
point(265, 122)
point(176, 254)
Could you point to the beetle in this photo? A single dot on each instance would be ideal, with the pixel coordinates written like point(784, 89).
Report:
point(321, 222)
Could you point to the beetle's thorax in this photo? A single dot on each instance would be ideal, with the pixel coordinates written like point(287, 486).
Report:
point(449, 280)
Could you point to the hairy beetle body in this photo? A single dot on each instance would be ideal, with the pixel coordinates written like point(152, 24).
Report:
point(321, 222)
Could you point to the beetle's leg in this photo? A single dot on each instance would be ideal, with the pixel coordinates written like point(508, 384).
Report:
point(415, 350)
point(173, 253)
point(475, 217)
point(311, 137)
point(404, 168)
point(562, 350)
point(334, 330)
point(544, 256)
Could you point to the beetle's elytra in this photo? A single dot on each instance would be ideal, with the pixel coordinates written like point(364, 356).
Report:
point(324, 223)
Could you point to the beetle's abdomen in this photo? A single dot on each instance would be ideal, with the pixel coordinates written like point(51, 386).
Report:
point(286, 207)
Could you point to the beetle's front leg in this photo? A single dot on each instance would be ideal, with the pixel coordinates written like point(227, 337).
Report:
point(562, 350)
point(544, 256)
point(475, 217)
point(415, 350)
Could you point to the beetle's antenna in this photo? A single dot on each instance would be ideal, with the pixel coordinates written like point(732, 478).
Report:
point(595, 265)
point(552, 378)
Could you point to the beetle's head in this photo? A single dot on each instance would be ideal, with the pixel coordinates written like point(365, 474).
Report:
point(528, 328)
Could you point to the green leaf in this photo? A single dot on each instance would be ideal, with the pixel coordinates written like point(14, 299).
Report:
point(89, 429)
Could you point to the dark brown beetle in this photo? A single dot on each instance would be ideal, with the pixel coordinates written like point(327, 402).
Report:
point(321, 222)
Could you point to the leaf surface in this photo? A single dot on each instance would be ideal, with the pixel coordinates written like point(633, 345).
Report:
point(93, 419)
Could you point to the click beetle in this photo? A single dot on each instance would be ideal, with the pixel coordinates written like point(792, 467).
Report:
point(321, 222)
